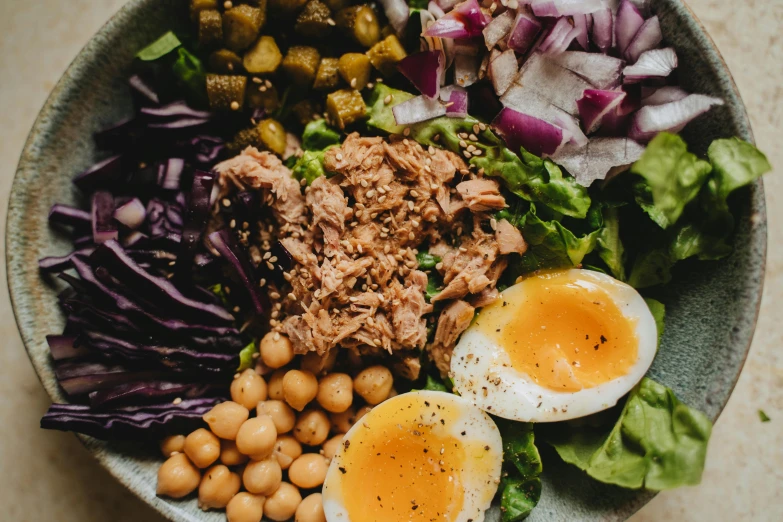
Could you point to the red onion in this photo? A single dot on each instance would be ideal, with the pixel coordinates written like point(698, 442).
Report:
point(595, 160)
point(596, 104)
point(131, 214)
point(534, 135)
point(655, 63)
point(670, 117)
point(498, 29)
point(582, 36)
point(503, 70)
point(418, 109)
point(555, 84)
point(559, 38)
point(424, 69)
point(603, 29)
point(600, 70)
point(648, 37)
point(652, 96)
point(456, 99)
point(524, 32)
point(627, 23)
point(397, 12)
point(464, 21)
point(435, 9)
point(565, 7)
point(466, 69)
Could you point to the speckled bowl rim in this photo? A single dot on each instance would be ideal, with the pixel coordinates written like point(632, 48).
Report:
point(710, 53)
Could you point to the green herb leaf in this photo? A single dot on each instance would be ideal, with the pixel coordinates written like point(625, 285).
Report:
point(190, 73)
point(246, 356)
point(434, 286)
point(609, 245)
point(159, 48)
point(763, 416)
point(434, 384)
point(672, 178)
point(426, 260)
point(657, 443)
point(318, 135)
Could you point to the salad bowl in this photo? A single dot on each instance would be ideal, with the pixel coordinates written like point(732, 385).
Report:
point(711, 307)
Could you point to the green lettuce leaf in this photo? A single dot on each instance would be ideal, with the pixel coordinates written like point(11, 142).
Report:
point(310, 166)
point(426, 260)
point(318, 135)
point(246, 356)
point(657, 443)
point(433, 384)
point(609, 245)
point(521, 485)
point(672, 178)
point(190, 73)
point(735, 163)
point(528, 176)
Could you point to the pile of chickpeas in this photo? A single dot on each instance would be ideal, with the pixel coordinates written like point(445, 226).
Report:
point(256, 466)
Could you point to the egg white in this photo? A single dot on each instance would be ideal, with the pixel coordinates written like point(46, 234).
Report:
point(472, 426)
point(483, 374)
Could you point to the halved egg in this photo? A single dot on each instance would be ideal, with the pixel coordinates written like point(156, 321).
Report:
point(422, 455)
point(558, 345)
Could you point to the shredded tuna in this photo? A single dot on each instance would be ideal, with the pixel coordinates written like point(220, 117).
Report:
point(481, 195)
point(509, 238)
point(454, 319)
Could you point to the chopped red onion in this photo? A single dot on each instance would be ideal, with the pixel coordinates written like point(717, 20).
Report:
point(603, 29)
point(597, 158)
point(524, 32)
point(131, 214)
point(655, 63)
point(559, 38)
point(627, 23)
point(582, 36)
point(447, 5)
point(671, 117)
point(648, 37)
point(555, 84)
point(424, 69)
point(456, 99)
point(466, 69)
point(534, 135)
point(503, 70)
point(397, 12)
point(565, 7)
point(595, 104)
point(435, 9)
point(498, 29)
point(652, 96)
point(599, 70)
point(464, 21)
point(418, 109)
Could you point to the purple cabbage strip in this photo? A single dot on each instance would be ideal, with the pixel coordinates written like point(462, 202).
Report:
point(237, 259)
point(196, 219)
point(69, 216)
point(150, 392)
point(103, 225)
point(105, 173)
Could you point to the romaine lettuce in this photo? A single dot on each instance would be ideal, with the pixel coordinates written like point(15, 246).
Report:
point(521, 485)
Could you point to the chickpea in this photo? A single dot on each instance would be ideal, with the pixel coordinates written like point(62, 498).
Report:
point(225, 419)
point(373, 384)
point(276, 350)
point(257, 437)
point(274, 387)
point(282, 504)
point(262, 477)
point(218, 486)
point(171, 445)
point(248, 389)
point(299, 388)
point(318, 364)
point(287, 448)
point(308, 471)
point(335, 392)
point(281, 413)
point(311, 509)
point(230, 454)
point(177, 477)
point(245, 507)
point(332, 445)
point(312, 427)
point(342, 422)
point(202, 448)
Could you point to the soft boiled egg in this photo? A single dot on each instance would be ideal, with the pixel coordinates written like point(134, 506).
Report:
point(558, 345)
point(422, 455)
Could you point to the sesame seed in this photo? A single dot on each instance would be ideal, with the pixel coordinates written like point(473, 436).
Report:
point(386, 249)
point(178, 400)
point(303, 182)
point(374, 215)
point(406, 132)
point(292, 296)
point(415, 223)
point(410, 206)
point(463, 249)
point(339, 157)
point(274, 295)
point(273, 259)
point(411, 236)
point(493, 223)
point(438, 266)
point(381, 199)
point(463, 135)
point(370, 193)
point(268, 83)
point(381, 190)
point(226, 202)
point(232, 223)
point(353, 83)
point(267, 255)
point(228, 4)
point(377, 342)
point(364, 183)
point(270, 266)
point(330, 22)
point(256, 80)
point(262, 88)
point(406, 142)
point(276, 336)
point(262, 282)
point(466, 154)
point(477, 152)
point(234, 105)
point(476, 128)
point(473, 137)
point(353, 299)
point(414, 194)
point(482, 126)
point(434, 186)
point(387, 100)
point(359, 248)
point(462, 144)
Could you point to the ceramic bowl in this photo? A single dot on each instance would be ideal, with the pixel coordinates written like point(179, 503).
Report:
point(711, 310)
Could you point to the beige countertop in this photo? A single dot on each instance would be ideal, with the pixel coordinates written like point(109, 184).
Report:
point(49, 476)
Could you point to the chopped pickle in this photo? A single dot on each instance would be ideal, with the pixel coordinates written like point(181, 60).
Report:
point(355, 69)
point(210, 28)
point(243, 139)
point(272, 136)
point(385, 54)
point(196, 6)
point(306, 111)
point(301, 64)
point(345, 107)
point(264, 57)
point(286, 7)
point(327, 78)
point(361, 24)
point(261, 96)
point(225, 61)
point(241, 25)
point(313, 21)
point(226, 92)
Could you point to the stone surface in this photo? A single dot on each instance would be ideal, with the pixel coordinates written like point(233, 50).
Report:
point(49, 474)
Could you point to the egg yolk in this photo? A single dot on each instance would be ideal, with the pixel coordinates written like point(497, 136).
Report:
point(403, 465)
point(565, 333)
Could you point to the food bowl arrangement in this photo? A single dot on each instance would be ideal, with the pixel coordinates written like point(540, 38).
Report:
point(227, 160)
